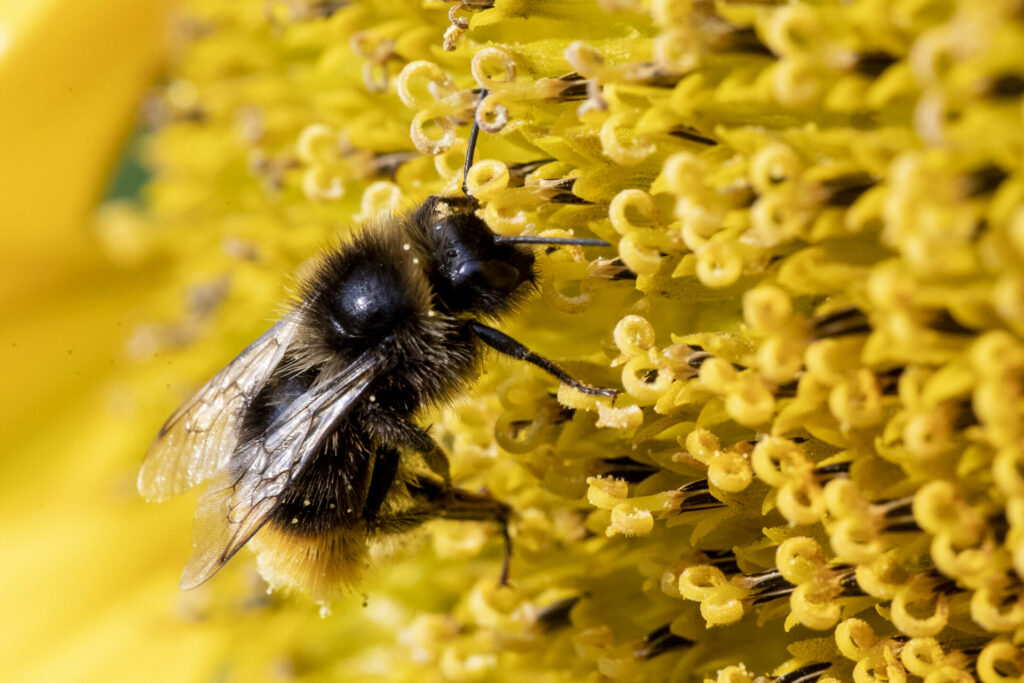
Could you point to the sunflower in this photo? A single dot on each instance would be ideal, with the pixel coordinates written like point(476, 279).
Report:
point(812, 303)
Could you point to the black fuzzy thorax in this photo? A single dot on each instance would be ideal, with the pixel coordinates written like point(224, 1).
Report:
point(427, 353)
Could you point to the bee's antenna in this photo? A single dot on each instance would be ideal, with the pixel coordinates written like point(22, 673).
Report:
point(507, 561)
point(514, 239)
point(471, 146)
point(536, 239)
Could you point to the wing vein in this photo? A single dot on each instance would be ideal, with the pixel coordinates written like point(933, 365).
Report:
point(243, 496)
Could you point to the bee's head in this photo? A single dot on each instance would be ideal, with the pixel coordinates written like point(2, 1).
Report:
point(469, 270)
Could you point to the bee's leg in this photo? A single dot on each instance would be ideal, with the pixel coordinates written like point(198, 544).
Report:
point(399, 432)
point(505, 344)
point(451, 502)
point(385, 466)
point(461, 505)
point(419, 440)
point(404, 521)
point(466, 505)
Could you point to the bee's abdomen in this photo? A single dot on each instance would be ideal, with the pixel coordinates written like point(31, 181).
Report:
point(330, 492)
point(320, 531)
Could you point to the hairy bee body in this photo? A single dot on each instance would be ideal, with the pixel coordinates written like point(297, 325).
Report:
point(309, 436)
point(366, 480)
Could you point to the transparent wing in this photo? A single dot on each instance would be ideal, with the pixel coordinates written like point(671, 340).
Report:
point(243, 495)
point(201, 435)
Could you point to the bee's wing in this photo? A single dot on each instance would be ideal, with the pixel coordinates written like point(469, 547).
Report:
point(244, 494)
point(199, 438)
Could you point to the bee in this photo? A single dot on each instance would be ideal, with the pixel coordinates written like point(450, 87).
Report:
point(309, 435)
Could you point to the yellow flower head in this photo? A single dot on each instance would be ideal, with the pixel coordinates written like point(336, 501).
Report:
point(812, 304)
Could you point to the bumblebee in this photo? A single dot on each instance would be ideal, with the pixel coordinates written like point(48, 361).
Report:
point(309, 435)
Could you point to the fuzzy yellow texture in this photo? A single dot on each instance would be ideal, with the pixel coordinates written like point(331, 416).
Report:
point(820, 352)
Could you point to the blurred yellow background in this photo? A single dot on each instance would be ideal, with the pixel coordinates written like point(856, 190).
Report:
point(88, 570)
point(73, 573)
point(71, 78)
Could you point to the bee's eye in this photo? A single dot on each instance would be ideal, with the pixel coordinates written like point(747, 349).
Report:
point(496, 275)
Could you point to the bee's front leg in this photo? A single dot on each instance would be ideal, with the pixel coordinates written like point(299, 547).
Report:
point(501, 342)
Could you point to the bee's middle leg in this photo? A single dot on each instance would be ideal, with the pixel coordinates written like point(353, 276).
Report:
point(434, 500)
point(466, 505)
point(385, 467)
point(452, 502)
point(398, 432)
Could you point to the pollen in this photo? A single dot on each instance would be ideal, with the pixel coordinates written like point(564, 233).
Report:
point(812, 302)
